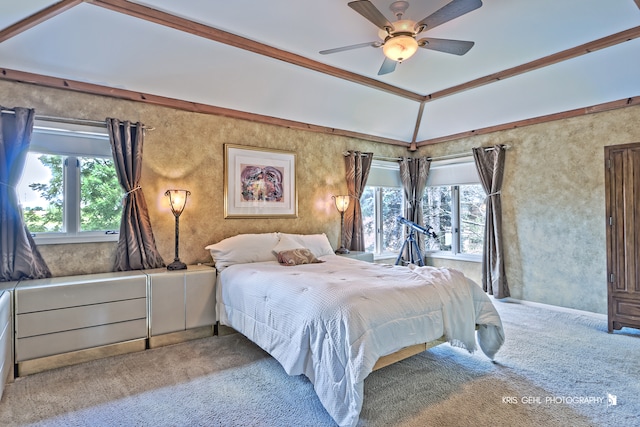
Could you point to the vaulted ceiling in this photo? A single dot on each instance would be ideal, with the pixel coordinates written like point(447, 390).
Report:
point(259, 60)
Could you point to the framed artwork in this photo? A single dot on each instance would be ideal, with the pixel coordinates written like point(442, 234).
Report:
point(259, 183)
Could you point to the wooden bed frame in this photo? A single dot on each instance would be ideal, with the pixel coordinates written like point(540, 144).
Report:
point(406, 353)
point(387, 360)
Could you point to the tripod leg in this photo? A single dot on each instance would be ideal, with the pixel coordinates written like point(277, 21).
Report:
point(410, 242)
point(420, 261)
point(412, 254)
point(404, 245)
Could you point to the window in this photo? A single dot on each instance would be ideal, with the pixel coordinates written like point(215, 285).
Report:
point(382, 202)
point(69, 189)
point(454, 205)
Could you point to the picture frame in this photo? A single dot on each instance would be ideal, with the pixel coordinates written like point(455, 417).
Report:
point(259, 182)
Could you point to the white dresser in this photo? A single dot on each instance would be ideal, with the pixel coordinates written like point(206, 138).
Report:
point(59, 320)
point(66, 320)
point(181, 304)
point(6, 334)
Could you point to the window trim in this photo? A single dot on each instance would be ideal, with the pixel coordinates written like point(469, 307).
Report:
point(452, 256)
point(71, 142)
point(379, 222)
point(54, 238)
point(466, 174)
point(383, 174)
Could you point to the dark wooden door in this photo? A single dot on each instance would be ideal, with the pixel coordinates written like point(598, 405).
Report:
point(622, 181)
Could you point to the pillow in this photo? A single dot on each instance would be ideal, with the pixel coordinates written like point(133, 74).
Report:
point(318, 244)
point(297, 257)
point(243, 248)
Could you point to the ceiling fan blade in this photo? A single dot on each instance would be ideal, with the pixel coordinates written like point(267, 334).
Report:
point(456, 47)
point(446, 13)
point(369, 11)
point(353, 46)
point(388, 66)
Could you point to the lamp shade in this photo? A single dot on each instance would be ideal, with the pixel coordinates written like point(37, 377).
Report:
point(177, 200)
point(342, 203)
point(399, 48)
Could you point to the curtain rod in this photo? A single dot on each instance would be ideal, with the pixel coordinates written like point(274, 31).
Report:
point(395, 159)
point(456, 156)
point(444, 157)
point(85, 122)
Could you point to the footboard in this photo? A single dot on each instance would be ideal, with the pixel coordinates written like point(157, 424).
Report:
point(406, 353)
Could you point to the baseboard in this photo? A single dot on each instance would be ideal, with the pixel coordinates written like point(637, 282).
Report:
point(33, 366)
point(180, 336)
point(575, 311)
point(222, 330)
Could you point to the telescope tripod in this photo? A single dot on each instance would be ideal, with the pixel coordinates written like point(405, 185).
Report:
point(412, 249)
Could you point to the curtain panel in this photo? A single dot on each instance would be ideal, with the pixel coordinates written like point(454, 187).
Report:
point(490, 166)
point(136, 248)
point(357, 165)
point(20, 256)
point(413, 174)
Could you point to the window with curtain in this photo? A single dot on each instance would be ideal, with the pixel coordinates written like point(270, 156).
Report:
point(382, 202)
point(69, 190)
point(454, 205)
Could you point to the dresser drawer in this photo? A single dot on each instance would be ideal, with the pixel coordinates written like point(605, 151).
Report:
point(64, 292)
point(66, 314)
point(65, 319)
point(79, 339)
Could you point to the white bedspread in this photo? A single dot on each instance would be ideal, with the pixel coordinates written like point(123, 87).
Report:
point(332, 321)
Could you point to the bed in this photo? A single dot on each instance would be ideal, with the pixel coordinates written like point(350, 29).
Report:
point(336, 319)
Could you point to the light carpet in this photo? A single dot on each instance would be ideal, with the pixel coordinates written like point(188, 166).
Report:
point(556, 368)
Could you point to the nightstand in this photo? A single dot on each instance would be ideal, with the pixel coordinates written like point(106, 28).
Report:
point(181, 304)
point(362, 256)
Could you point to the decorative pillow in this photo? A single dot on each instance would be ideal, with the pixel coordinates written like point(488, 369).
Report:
point(318, 244)
point(297, 257)
point(243, 248)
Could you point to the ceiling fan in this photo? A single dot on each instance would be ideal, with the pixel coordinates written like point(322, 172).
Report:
point(398, 39)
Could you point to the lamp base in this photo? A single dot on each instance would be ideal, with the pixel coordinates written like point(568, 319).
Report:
point(342, 250)
point(177, 265)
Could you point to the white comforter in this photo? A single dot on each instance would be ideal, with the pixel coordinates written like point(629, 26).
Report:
point(332, 321)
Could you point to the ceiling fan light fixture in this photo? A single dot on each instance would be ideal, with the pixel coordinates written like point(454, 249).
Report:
point(398, 39)
point(400, 47)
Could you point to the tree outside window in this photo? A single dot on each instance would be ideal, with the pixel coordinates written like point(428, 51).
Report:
point(100, 206)
point(69, 190)
point(457, 214)
point(381, 206)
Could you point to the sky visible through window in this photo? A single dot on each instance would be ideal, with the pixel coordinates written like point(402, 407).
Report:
point(33, 172)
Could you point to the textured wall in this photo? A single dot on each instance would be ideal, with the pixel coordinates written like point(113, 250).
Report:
point(553, 194)
point(186, 151)
point(553, 201)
